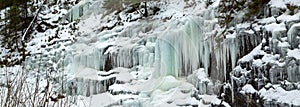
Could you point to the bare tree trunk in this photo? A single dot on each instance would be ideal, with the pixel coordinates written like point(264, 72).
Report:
point(146, 11)
point(7, 99)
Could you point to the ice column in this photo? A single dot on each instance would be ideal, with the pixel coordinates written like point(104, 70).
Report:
point(178, 50)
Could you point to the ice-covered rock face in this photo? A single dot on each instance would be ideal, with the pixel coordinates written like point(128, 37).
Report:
point(175, 47)
point(107, 52)
point(190, 46)
point(84, 8)
point(293, 36)
point(178, 46)
point(148, 59)
point(276, 61)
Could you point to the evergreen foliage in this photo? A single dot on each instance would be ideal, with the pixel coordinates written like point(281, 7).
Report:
point(255, 6)
point(228, 9)
point(16, 20)
point(113, 5)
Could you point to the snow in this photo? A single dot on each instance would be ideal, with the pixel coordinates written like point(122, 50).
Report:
point(233, 35)
point(243, 25)
point(2, 15)
point(257, 62)
point(202, 75)
point(268, 85)
point(103, 99)
point(294, 2)
point(123, 74)
point(280, 95)
point(275, 27)
point(294, 53)
point(288, 18)
point(159, 96)
point(257, 50)
point(284, 44)
point(216, 3)
point(282, 3)
point(249, 31)
point(268, 58)
point(118, 88)
point(173, 10)
point(168, 83)
point(278, 4)
point(268, 20)
point(89, 24)
point(248, 89)
point(87, 73)
point(213, 99)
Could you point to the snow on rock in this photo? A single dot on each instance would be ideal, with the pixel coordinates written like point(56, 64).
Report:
point(87, 73)
point(294, 53)
point(275, 27)
point(280, 95)
point(122, 74)
point(268, 20)
point(256, 51)
point(278, 3)
point(212, 99)
point(103, 99)
point(294, 2)
point(202, 76)
point(288, 18)
point(248, 89)
point(90, 24)
point(117, 87)
point(168, 83)
point(200, 80)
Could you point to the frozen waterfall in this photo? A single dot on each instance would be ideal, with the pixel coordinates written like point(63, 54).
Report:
point(178, 50)
point(176, 47)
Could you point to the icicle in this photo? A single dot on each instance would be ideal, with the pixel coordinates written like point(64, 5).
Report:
point(177, 50)
point(97, 59)
point(233, 52)
point(206, 59)
point(232, 88)
point(224, 58)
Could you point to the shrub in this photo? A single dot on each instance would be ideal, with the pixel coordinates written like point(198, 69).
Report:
point(230, 9)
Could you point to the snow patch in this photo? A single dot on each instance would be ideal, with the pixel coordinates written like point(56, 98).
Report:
point(294, 53)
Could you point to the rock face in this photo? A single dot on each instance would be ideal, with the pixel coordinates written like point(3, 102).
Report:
point(276, 61)
point(293, 69)
point(237, 62)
